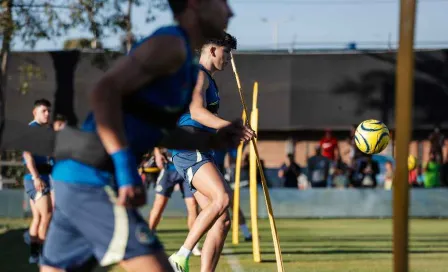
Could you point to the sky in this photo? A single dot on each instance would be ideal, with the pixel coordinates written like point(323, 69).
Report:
point(305, 24)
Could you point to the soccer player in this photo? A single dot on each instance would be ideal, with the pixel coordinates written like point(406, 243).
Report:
point(210, 189)
point(219, 157)
point(96, 216)
point(167, 180)
point(37, 185)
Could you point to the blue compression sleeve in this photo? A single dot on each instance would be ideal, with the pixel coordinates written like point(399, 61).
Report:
point(126, 172)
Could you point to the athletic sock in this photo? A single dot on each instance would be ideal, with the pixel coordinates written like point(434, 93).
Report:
point(184, 252)
point(245, 230)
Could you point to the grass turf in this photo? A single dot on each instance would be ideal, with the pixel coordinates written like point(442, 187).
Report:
point(307, 245)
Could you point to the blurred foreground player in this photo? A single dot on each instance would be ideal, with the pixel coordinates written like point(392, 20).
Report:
point(37, 185)
point(166, 181)
point(210, 189)
point(133, 104)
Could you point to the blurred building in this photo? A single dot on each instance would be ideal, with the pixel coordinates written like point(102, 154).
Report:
point(300, 94)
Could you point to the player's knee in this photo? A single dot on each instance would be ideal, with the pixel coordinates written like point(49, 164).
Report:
point(226, 222)
point(221, 203)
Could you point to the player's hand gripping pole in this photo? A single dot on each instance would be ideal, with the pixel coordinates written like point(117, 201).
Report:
point(278, 254)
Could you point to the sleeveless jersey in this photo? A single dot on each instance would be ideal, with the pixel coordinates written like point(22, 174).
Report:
point(168, 93)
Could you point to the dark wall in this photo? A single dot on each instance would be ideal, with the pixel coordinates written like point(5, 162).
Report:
point(296, 92)
point(64, 78)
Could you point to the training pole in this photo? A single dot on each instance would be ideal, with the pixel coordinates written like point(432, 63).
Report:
point(253, 180)
point(403, 125)
point(278, 254)
point(236, 193)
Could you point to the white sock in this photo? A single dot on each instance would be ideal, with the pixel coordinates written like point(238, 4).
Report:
point(245, 230)
point(184, 252)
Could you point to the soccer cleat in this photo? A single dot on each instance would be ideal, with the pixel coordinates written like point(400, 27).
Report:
point(196, 251)
point(179, 263)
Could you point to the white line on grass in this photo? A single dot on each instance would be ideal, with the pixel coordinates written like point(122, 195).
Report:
point(232, 260)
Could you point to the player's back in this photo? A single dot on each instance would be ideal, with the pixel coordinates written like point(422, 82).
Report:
point(163, 95)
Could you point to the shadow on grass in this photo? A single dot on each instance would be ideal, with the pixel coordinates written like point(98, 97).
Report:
point(14, 254)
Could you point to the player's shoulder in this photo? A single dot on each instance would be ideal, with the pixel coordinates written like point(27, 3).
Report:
point(33, 124)
point(171, 36)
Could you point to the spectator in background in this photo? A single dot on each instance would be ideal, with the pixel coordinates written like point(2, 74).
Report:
point(432, 172)
point(329, 146)
point(340, 174)
point(353, 151)
point(436, 139)
point(290, 172)
point(59, 123)
point(318, 169)
point(388, 176)
point(365, 173)
point(413, 178)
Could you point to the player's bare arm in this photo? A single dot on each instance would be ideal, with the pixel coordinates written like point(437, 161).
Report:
point(160, 158)
point(31, 165)
point(198, 107)
point(199, 112)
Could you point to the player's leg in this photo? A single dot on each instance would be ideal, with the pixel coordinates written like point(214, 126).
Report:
point(45, 210)
point(206, 178)
point(216, 236)
point(241, 217)
point(164, 189)
point(34, 226)
point(192, 209)
point(190, 202)
point(33, 231)
point(243, 226)
point(157, 262)
point(156, 212)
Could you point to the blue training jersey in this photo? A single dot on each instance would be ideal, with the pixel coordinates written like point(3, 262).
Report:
point(169, 92)
point(211, 100)
point(39, 161)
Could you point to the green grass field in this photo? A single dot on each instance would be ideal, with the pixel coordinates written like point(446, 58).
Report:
point(307, 245)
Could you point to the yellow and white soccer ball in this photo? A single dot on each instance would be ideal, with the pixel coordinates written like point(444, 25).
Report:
point(372, 136)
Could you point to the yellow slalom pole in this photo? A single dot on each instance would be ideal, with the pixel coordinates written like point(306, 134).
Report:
point(278, 254)
point(403, 120)
point(236, 192)
point(253, 181)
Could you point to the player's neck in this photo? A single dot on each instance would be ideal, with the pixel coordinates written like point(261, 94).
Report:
point(40, 124)
point(208, 65)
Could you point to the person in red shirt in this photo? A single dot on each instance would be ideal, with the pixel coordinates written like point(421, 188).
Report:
point(329, 145)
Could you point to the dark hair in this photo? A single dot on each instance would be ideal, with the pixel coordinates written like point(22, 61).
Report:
point(178, 6)
point(227, 40)
point(60, 117)
point(42, 102)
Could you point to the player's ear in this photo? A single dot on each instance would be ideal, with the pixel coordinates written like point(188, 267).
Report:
point(213, 51)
